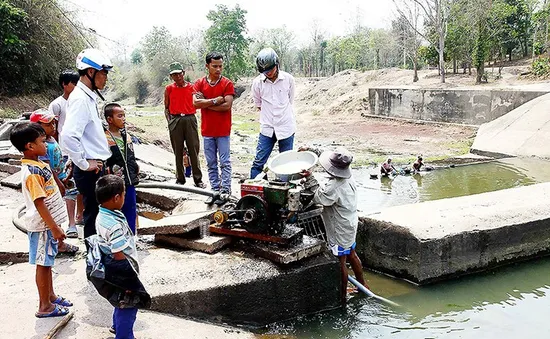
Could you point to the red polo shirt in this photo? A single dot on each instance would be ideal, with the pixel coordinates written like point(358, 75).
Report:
point(213, 123)
point(181, 98)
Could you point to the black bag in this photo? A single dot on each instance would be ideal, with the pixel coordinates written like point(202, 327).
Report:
point(114, 280)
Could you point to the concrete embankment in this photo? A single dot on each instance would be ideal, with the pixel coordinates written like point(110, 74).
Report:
point(442, 239)
point(463, 106)
point(524, 132)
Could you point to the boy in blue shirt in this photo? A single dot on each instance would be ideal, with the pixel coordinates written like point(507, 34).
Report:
point(117, 240)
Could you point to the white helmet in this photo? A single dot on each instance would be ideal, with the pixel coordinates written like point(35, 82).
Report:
point(93, 58)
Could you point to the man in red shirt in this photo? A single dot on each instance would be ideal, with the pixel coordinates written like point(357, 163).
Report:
point(182, 123)
point(214, 96)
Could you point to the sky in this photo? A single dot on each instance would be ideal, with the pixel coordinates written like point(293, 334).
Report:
point(127, 21)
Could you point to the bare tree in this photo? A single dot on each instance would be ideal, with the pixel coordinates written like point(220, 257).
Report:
point(408, 25)
point(435, 14)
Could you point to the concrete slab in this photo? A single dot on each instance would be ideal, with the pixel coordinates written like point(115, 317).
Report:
point(5, 167)
point(446, 238)
point(155, 156)
point(93, 314)
point(12, 181)
point(176, 224)
point(238, 289)
point(525, 132)
point(209, 244)
point(11, 153)
point(307, 248)
point(5, 144)
point(159, 198)
point(155, 172)
point(14, 162)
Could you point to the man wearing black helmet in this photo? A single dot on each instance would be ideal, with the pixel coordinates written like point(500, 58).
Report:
point(273, 93)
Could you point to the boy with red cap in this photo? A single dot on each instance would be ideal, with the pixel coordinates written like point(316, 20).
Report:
point(57, 162)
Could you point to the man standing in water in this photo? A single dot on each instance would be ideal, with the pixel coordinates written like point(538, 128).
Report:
point(182, 123)
point(214, 96)
point(273, 93)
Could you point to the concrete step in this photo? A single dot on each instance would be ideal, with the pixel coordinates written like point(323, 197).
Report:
point(13, 181)
point(209, 244)
point(177, 224)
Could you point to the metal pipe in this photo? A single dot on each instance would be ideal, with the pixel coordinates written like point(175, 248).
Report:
point(190, 189)
point(369, 293)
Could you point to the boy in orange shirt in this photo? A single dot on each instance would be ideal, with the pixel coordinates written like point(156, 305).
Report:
point(45, 212)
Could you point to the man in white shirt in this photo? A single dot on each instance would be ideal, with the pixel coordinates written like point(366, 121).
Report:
point(67, 80)
point(83, 135)
point(273, 93)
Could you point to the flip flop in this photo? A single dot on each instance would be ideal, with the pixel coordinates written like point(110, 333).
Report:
point(72, 232)
point(69, 249)
point(62, 302)
point(58, 311)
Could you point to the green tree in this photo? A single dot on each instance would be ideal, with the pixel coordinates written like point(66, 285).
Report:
point(38, 39)
point(136, 58)
point(226, 36)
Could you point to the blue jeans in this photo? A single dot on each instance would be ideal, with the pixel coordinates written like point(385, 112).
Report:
point(129, 209)
point(123, 321)
point(263, 151)
point(214, 147)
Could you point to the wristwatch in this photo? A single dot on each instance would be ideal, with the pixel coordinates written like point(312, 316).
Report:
point(214, 101)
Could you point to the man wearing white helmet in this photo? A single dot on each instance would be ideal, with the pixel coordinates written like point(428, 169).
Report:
point(83, 137)
point(273, 93)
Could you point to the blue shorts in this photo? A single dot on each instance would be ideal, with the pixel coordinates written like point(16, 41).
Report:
point(340, 251)
point(42, 248)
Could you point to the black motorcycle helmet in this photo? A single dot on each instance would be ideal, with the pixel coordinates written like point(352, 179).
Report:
point(266, 60)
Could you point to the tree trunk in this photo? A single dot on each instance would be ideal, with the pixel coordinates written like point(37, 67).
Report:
point(441, 29)
point(455, 66)
point(415, 67)
point(480, 70)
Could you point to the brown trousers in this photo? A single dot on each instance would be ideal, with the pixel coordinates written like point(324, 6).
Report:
point(183, 129)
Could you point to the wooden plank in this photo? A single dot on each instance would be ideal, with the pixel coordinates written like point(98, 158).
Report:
point(307, 248)
point(289, 236)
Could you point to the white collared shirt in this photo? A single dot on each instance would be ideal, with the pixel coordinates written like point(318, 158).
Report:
point(275, 101)
point(83, 136)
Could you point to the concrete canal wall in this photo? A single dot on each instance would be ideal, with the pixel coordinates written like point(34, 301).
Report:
point(524, 132)
point(463, 106)
point(442, 239)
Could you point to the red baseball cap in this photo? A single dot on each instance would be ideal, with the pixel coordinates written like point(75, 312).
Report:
point(42, 115)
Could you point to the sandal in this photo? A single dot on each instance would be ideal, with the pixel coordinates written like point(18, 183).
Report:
point(58, 311)
point(72, 232)
point(200, 185)
point(68, 249)
point(62, 302)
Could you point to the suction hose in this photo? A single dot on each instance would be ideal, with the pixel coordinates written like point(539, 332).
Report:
point(190, 189)
point(369, 293)
point(176, 187)
point(16, 221)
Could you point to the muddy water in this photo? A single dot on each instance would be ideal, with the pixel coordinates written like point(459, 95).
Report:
point(509, 302)
point(447, 183)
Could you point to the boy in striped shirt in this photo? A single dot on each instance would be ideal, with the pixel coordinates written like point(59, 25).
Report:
point(116, 240)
